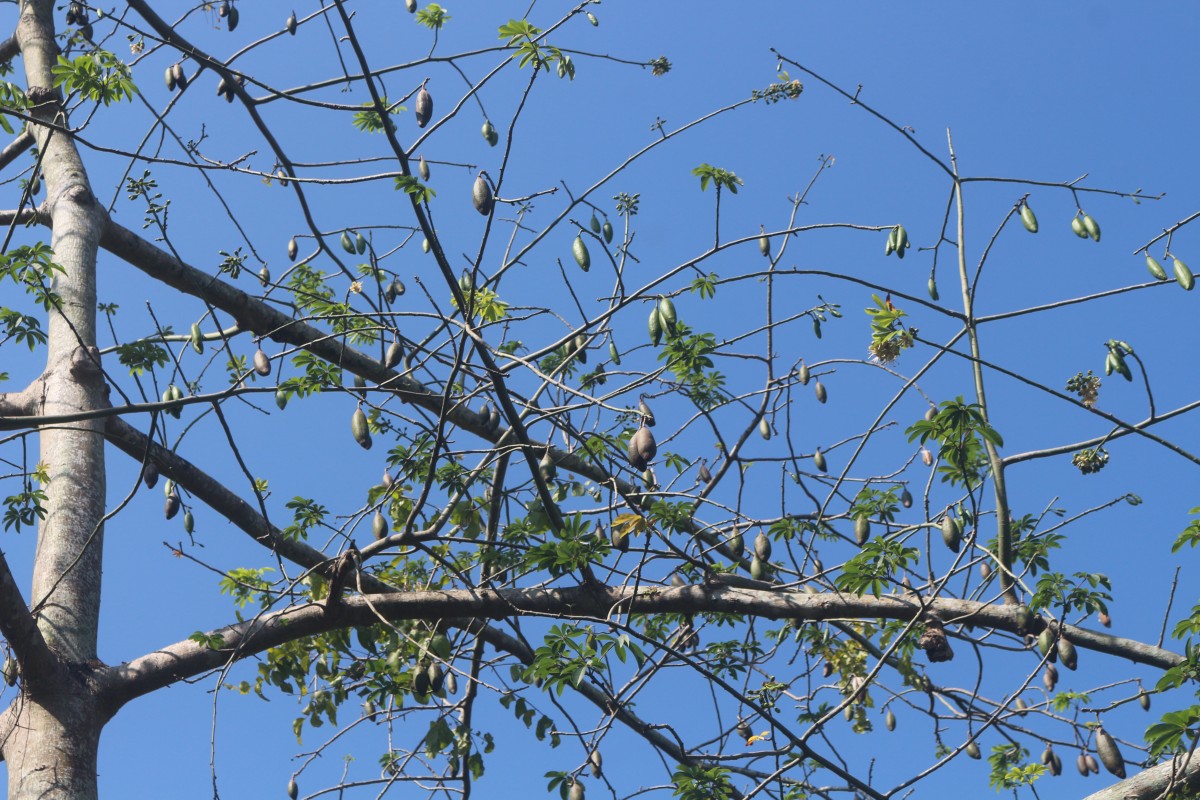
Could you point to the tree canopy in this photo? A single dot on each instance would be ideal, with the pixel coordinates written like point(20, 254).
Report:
point(535, 411)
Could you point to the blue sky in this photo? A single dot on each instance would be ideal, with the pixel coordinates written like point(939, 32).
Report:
point(1044, 92)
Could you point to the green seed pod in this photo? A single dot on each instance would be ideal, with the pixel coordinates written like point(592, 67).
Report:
point(423, 168)
point(1110, 756)
point(1144, 699)
point(951, 533)
point(1156, 269)
point(423, 107)
point(594, 223)
point(764, 242)
point(889, 720)
point(394, 354)
point(262, 364)
point(580, 251)
point(819, 460)
point(804, 375)
point(547, 469)
point(437, 677)
point(292, 789)
point(931, 287)
point(1077, 227)
point(358, 426)
point(425, 245)
point(1028, 219)
point(758, 569)
point(654, 326)
point(1184, 275)
point(281, 399)
point(613, 353)
point(189, 522)
point(410, 5)
point(1022, 708)
point(488, 130)
point(822, 395)
point(902, 242)
point(735, 545)
point(197, 338)
point(592, 19)
point(764, 429)
point(481, 195)
point(1091, 227)
point(360, 244)
point(379, 525)
point(264, 277)
point(973, 750)
point(607, 231)
point(347, 243)
point(596, 763)
point(666, 312)
point(862, 529)
point(576, 790)
point(1045, 643)
point(1067, 653)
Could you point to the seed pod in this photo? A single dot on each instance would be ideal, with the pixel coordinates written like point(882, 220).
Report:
point(643, 439)
point(394, 354)
point(1105, 620)
point(803, 374)
point(902, 242)
point(951, 532)
point(926, 457)
point(764, 242)
point(171, 506)
point(410, 5)
point(654, 326)
point(606, 230)
point(1067, 654)
point(1048, 755)
point(360, 244)
point(1110, 756)
point(1045, 643)
point(222, 87)
point(619, 539)
point(290, 24)
point(764, 429)
point(1090, 226)
point(231, 21)
point(197, 338)
point(1092, 766)
point(262, 364)
point(1077, 227)
point(704, 474)
point(423, 108)
point(546, 468)
point(906, 499)
point(1055, 764)
point(179, 75)
point(819, 388)
point(1184, 275)
point(1144, 699)
point(347, 243)
point(281, 399)
point(580, 251)
point(379, 525)
point(437, 677)
point(1155, 268)
point(423, 168)
point(890, 246)
point(1050, 677)
point(150, 474)
point(1081, 765)
point(596, 762)
point(264, 277)
point(189, 522)
point(762, 546)
point(973, 750)
point(931, 287)
point(889, 720)
point(758, 569)
point(424, 245)
point(481, 195)
point(862, 529)
point(592, 19)
point(819, 460)
point(358, 426)
point(735, 545)
point(666, 312)
point(1028, 219)
point(644, 410)
point(594, 223)
point(387, 480)
point(10, 671)
point(420, 684)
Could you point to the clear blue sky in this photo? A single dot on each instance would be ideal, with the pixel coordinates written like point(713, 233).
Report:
point(1046, 92)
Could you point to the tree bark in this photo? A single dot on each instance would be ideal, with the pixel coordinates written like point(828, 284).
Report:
point(52, 744)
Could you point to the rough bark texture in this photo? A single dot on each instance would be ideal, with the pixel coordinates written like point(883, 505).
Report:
point(51, 746)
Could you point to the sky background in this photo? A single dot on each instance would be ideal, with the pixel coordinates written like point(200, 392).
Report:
point(1044, 92)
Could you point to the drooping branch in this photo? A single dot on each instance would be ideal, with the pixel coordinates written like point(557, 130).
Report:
point(20, 629)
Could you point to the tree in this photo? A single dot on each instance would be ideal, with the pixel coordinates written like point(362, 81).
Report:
point(594, 489)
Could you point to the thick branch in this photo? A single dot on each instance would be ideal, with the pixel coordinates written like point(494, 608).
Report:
point(1181, 773)
point(21, 631)
point(187, 659)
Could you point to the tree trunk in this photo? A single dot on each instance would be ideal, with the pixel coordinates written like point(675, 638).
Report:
point(51, 749)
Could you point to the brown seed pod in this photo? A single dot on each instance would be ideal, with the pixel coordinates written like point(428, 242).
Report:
point(232, 19)
point(481, 195)
point(1050, 677)
point(292, 249)
point(262, 364)
point(423, 168)
point(171, 507)
point(889, 720)
point(862, 529)
point(819, 460)
point(762, 546)
point(1092, 765)
point(643, 443)
point(394, 354)
point(379, 525)
point(704, 474)
point(1144, 699)
point(1110, 756)
point(423, 107)
point(822, 395)
point(644, 410)
point(1081, 765)
point(1105, 620)
point(906, 499)
point(951, 532)
point(150, 474)
point(804, 375)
